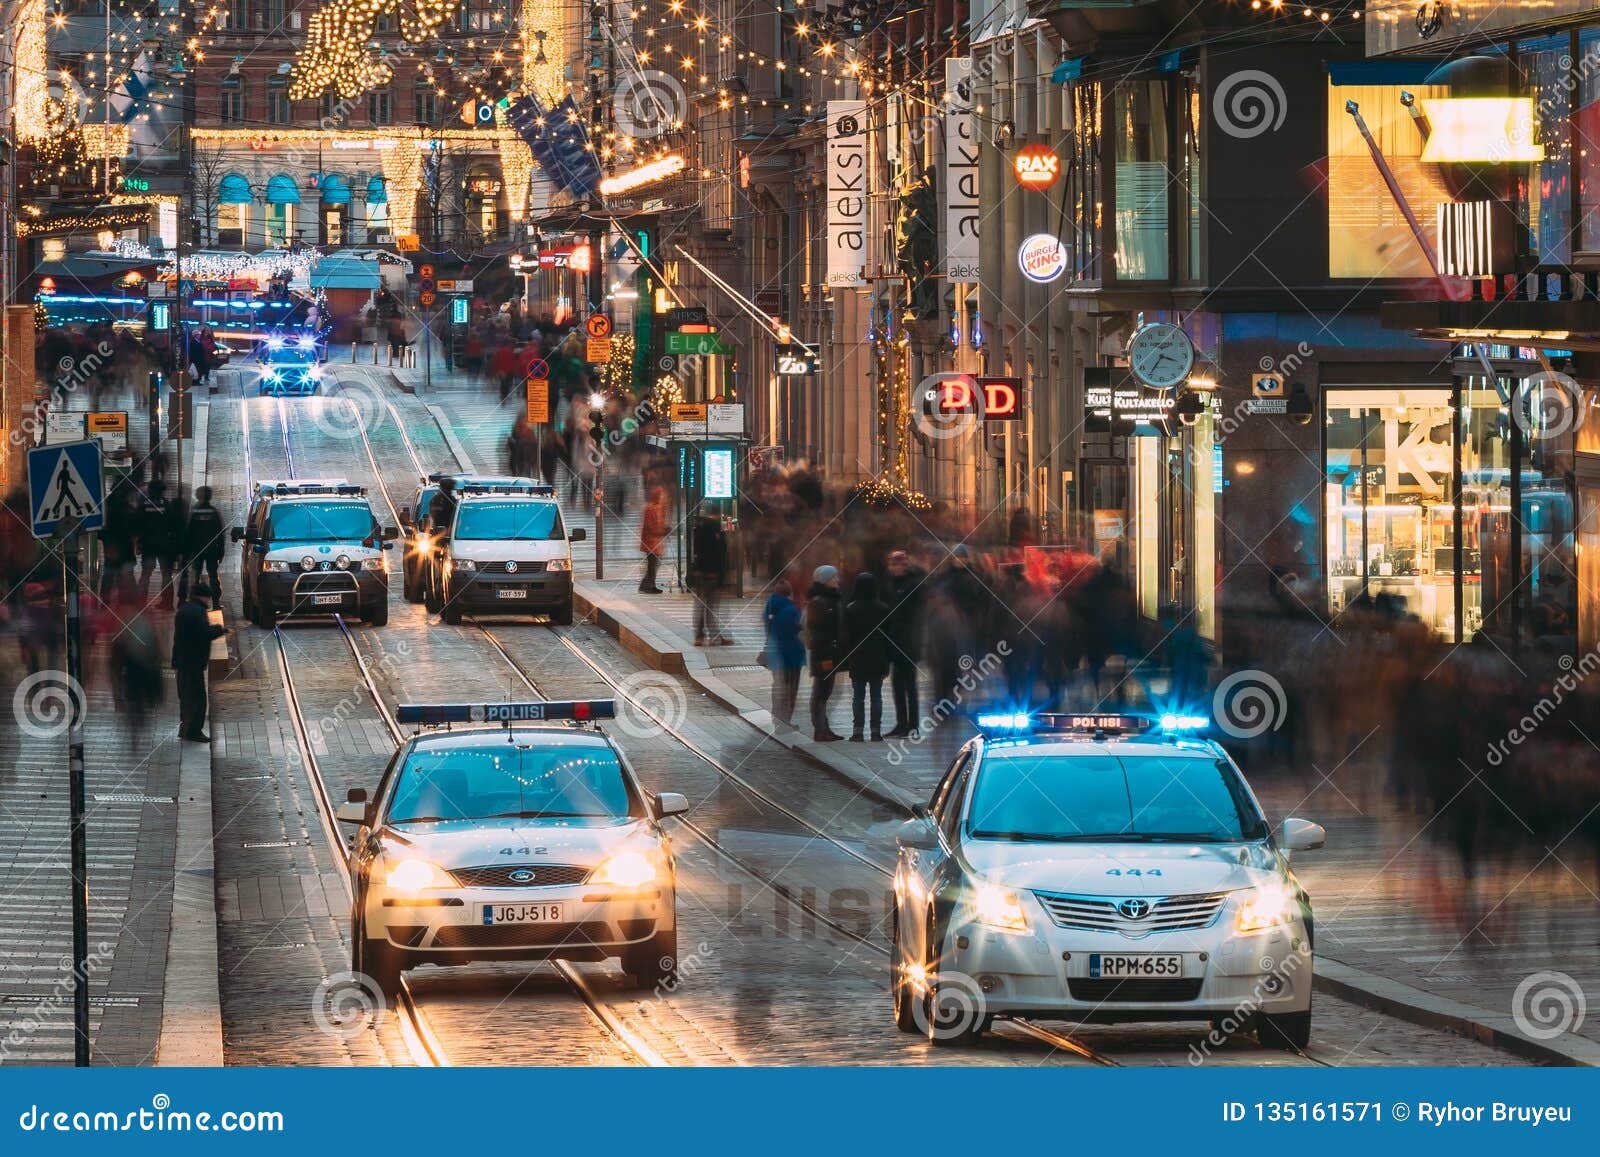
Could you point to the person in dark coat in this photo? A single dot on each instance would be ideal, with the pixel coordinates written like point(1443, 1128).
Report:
point(786, 654)
point(708, 568)
point(203, 540)
point(866, 632)
point(825, 640)
point(158, 542)
point(903, 590)
point(192, 632)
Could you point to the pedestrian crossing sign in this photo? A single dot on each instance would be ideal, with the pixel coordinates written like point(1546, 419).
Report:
point(66, 487)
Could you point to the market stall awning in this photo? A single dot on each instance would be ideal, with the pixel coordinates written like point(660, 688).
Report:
point(338, 271)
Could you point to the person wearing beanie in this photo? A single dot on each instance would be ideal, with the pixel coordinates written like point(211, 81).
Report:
point(824, 623)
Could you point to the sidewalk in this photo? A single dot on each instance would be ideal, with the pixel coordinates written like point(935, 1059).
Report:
point(1381, 941)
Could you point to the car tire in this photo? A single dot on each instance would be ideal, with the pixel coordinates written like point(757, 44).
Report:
point(653, 963)
point(905, 1002)
point(380, 962)
point(431, 599)
point(563, 616)
point(266, 618)
point(1288, 1031)
point(450, 613)
point(408, 586)
point(377, 614)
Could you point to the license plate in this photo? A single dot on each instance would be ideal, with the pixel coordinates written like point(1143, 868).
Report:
point(522, 913)
point(1143, 965)
point(326, 600)
point(511, 593)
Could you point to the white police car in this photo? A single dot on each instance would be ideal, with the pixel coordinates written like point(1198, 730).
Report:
point(518, 833)
point(1099, 869)
point(507, 552)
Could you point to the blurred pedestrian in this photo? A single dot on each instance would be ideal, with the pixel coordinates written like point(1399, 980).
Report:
point(158, 542)
point(708, 570)
point(43, 625)
point(203, 543)
point(192, 632)
point(866, 654)
point(135, 662)
point(824, 622)
point(786, 654)
point(904, 594)
point(653, 537)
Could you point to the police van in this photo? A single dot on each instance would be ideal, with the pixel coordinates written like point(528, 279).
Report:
point(421, 537)
point(313, 546)
point(507, 552)
point(511, 831)
point(290, 364)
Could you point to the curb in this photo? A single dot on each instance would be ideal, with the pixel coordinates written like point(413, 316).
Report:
point(191, 997)
point(666, 655)
point(1430, 1011)
point(463, 459)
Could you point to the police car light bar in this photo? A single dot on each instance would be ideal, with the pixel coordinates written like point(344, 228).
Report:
point(438, 714)
point(299, 486)
point(542, 489)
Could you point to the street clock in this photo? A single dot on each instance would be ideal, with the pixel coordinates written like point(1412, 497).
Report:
point(1160, 355)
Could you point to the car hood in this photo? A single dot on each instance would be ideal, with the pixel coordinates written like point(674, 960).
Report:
point(507, 843)
point(520, 549)
point(1123, 869)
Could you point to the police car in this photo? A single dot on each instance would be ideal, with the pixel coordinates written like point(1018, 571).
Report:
point(507, 552)
point(517, 832)
point(1099, 868)
point(313, 546)
point(421, 537)
point(290, 365)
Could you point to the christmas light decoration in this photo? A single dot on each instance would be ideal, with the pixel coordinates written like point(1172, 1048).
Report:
point(83, 222)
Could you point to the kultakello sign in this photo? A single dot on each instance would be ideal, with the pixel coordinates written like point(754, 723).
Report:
point(1042, 258)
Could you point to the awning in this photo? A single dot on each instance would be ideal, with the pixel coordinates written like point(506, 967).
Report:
point(1544, 324)
point(344, 271)
point(335, 189)
point(235, 190)
point(377, 194)
point(282, 190)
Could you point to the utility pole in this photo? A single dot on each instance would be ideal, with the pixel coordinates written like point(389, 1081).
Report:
point(71, 561)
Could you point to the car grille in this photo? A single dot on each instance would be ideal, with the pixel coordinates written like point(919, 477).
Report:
point(1167, 913)
point(1134, 991)
point(500, 568)
point(325, 582)
point(521, 935)
point(499, 876)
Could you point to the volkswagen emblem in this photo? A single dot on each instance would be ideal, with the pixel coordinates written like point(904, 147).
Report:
point(521, 876)
point(511, 567)
point(1134, 909)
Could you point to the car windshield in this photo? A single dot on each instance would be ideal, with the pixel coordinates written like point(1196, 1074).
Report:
point(320, 522)
point(498, 521)
point(1189, 798)
point(504, 781)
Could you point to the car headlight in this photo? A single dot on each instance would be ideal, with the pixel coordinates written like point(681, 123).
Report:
point(424, 543)
point(559, 564)
point(272, 567)
point(342, 562)
point(308, 343)
point(465, 565)
point(415, 875)
point(626, 870)
point(308, 563)
point(999, 908)
point(1264, 908)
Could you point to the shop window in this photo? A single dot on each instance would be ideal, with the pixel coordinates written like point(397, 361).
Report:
point(280, 224)
point(1545, 65)
point(1191, 175)
point(1588, 568)
point(1586, 131)
point(1367, 234)
point(1083, 178)
point(1142, 179)
point(232, 223)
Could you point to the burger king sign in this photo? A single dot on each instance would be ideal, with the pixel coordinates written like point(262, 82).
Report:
point(1042, 258)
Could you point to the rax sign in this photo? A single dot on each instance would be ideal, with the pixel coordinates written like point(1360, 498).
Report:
point(1000, 398)
point(1036, 167)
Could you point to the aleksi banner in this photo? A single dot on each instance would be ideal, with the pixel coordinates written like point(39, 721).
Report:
point(960, 185)
point(847, 193)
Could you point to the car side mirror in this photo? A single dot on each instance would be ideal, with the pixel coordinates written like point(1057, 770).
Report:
point(354, 808)
point(1301, 836)
point(917, 834)
point(390, 533)
point(671, 803)
point(577, 535)
point(252, 536)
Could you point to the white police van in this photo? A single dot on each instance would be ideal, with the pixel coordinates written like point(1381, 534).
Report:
point(506, 552)
point(1099, 868)
point(511, 831)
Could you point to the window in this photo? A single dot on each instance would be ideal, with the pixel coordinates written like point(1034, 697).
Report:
point(232, 222)
point(278, 111)
point(425, 107)
point(1140, 124)
point(1083, 179)
point(490, 780)
point(275, 17)
point(497, 521)
point(238, 14)
point(1545, 64)
point(380, 108)
point(320, 522)
point(233, 104)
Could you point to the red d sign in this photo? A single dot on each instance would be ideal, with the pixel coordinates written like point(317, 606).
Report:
point(1002, 399)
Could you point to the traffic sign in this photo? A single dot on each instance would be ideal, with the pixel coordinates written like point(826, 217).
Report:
point(111, 428)
point(598, 325)
point(704, 344)
point(538, 368)
point(65, 483)
point(1266, 385)
point(598, 351)
point(427, 284)
point(538, 400)
point(425, 271)
point(426, 297)
point(408, 242)
point(459, 285)
point(186, 288)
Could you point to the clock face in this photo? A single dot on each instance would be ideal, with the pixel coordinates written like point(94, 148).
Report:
point(1160, 355)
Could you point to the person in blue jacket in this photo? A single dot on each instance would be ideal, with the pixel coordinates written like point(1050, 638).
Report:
point(786, 654)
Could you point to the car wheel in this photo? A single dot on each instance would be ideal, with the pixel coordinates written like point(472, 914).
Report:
point(378, 613)
point(905, 1001)
point(653, 963)
point(450, 613)
point(431, 599)
point(408, 587)
point(378, 961)
point(563, 616)
point(266, 618)
point(1289, 1031)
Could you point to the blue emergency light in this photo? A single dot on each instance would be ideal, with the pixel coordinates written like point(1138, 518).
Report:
point(434, 714)
point(1095, 723)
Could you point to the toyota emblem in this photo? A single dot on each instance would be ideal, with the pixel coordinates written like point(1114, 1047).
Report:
point(521, 876)
point(1134, 909)
point(511, 567)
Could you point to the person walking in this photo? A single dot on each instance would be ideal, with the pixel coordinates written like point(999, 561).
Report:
point(709, 567)
point(786, 654)
point(904, 593)
point(203, 541)
point(135, 662)
point(866, 635)
point(824, 622)
point(192, 632)
point(653, 537)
